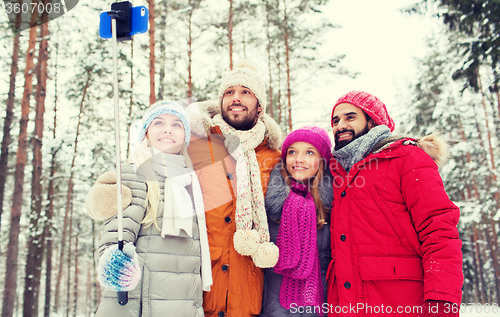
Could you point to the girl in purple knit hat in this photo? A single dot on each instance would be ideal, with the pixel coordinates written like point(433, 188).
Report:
point(298, 203)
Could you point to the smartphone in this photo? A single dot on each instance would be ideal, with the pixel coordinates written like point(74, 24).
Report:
point(138, 19)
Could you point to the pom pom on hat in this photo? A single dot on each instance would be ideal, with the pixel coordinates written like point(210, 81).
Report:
point(165, 107)
point(245, 74)
point(315, 136)
point(370, 104)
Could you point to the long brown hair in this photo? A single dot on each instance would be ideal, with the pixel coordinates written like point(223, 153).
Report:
point(322, 213)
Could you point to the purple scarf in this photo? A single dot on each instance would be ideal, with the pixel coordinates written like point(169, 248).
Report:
point(299, 258)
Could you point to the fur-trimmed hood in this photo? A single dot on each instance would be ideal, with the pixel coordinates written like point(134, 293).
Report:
point(277, 192)
point(201, 115)
point(433, 144)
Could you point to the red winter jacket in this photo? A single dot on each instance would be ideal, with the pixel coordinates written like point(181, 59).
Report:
point(394, 235)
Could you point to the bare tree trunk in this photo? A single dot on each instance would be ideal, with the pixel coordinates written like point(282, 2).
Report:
point(162, 26)
point(280, 106)
point(490, 146)
point(287, 52)
point(17, 201)
point(36, 240)
point(495, 256)
point(493, 253)
point(48, 234)
point(96, 287)
point(152, 60)
point(9, 113)
point(477, 295)
point(189, 52)
point(482, 291)
point(88, 308)
point(69, 199)
point(497, 93)
point(269, 46)
point(469, 160)
point(69, 261)
point(495, 97)
point(50, 207)
point(230, 34)
point(75, 287)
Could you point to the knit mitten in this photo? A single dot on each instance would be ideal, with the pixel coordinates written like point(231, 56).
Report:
point(439, 308)
point(101, 199)
point(119, 270)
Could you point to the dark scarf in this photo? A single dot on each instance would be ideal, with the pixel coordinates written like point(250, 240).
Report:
point(358, 149)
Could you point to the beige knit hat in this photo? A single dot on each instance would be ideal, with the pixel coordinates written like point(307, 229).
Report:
point(245, 74)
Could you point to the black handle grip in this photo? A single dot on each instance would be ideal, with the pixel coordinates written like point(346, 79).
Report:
point(122, 298)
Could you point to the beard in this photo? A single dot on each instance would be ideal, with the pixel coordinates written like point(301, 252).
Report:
point(240, 122)
point(341, 144)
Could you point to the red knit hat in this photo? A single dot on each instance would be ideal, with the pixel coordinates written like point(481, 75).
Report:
point(315, 136)
point(370, 104)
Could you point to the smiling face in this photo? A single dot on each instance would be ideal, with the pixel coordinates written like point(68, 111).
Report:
point(166, 134)
point(240, 107)
point(302, 161)
point(349, 123)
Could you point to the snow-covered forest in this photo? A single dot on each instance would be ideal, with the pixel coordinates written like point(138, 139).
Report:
point(57, 111)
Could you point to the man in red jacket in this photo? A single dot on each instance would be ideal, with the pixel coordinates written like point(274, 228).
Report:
point(394, 237)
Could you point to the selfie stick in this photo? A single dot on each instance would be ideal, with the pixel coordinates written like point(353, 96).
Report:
point(122, 296)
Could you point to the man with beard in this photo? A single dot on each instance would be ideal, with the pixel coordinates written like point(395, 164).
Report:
point(234, 148)
point(395, 244)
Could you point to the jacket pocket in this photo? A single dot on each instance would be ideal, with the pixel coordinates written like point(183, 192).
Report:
point(332, 293)
point(393, 284)
point(215, 254)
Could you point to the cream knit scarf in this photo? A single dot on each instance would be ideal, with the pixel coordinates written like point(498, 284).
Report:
point(252, 233)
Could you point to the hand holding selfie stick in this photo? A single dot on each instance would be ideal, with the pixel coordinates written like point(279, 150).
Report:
point(122, 296)
point(124, 13)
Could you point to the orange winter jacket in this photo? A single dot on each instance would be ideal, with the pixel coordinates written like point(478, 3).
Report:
point(237, 283)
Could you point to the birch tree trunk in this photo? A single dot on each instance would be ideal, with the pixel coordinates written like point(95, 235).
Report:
point(152, 59)
point(269, 47)
point(9, 295)
point(36, 241)
point(50, 207)
point(189, 53)
point(287, 53)
point(9, 113)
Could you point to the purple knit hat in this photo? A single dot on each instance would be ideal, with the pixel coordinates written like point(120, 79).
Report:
point(315, 136)
point(370, 104)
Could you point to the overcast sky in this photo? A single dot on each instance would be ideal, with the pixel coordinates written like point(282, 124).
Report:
point(380, 43)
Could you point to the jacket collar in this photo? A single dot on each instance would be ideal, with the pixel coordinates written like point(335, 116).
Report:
point(433, 144)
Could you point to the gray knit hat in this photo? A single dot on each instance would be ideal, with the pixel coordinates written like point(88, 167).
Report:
point(245, 74)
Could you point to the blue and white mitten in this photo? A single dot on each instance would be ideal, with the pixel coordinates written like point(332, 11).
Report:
point(119, 270)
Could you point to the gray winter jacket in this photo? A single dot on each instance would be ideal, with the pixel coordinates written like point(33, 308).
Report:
point(171, 281)
point(277, 192)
